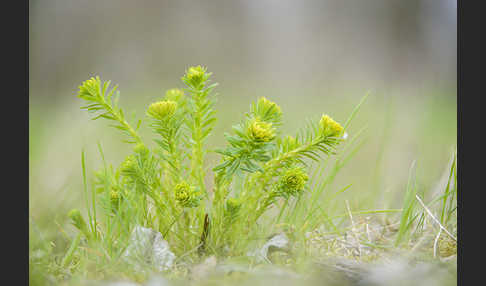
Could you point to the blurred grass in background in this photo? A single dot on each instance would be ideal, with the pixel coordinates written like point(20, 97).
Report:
point(312, 58)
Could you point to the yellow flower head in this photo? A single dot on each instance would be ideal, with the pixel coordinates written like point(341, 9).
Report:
point(185, 195)
point(90, 87)
point(293, 181)
point(174, 94)
point(195, 75)
point(260, 131)
point(162, 109)
point(329, 127)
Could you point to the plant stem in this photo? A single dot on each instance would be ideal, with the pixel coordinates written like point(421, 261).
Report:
point(123, 122)
point(197, 170)
point(67, 258)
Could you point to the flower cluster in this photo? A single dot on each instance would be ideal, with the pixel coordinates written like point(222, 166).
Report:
point(162, 109)
point(89, 87)
point(292, 182)
point(186, 195)
point(329, 127)
point(195, 76)
point(260, 131)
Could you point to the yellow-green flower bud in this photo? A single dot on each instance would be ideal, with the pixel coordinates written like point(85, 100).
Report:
point(260, 131)
point(162, 109)
point(115, 197)
point(78, 221)
point(89, 87)
point(195, 75)
point(185, 195)
point(174, 94)
point(181, 194)
point(293, 181)
point(329, 127)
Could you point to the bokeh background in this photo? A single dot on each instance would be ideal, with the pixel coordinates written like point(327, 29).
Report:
point(310, 57)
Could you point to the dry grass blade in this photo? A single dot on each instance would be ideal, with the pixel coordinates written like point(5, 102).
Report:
point(434, 218)
point(436, 241)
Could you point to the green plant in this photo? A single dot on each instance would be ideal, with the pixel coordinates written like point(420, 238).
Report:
point(164, 188)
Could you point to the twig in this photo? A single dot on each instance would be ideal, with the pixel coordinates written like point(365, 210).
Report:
point(435, 219)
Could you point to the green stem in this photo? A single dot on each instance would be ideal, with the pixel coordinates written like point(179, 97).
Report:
point(197, 152)
point(292, 154)
point(276, 162)
point(282, 210)
point(123, 122)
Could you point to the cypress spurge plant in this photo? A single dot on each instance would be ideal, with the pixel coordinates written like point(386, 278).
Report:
point(165, 188)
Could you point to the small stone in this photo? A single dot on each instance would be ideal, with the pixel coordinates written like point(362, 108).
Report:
point(147, 247)
point(276, 242)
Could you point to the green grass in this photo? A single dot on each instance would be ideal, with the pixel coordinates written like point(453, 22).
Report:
point(345, 210)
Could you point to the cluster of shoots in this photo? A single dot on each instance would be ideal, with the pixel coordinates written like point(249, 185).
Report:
point(166, 187)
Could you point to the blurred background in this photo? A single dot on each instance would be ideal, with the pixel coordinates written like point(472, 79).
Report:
point(310, 57)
